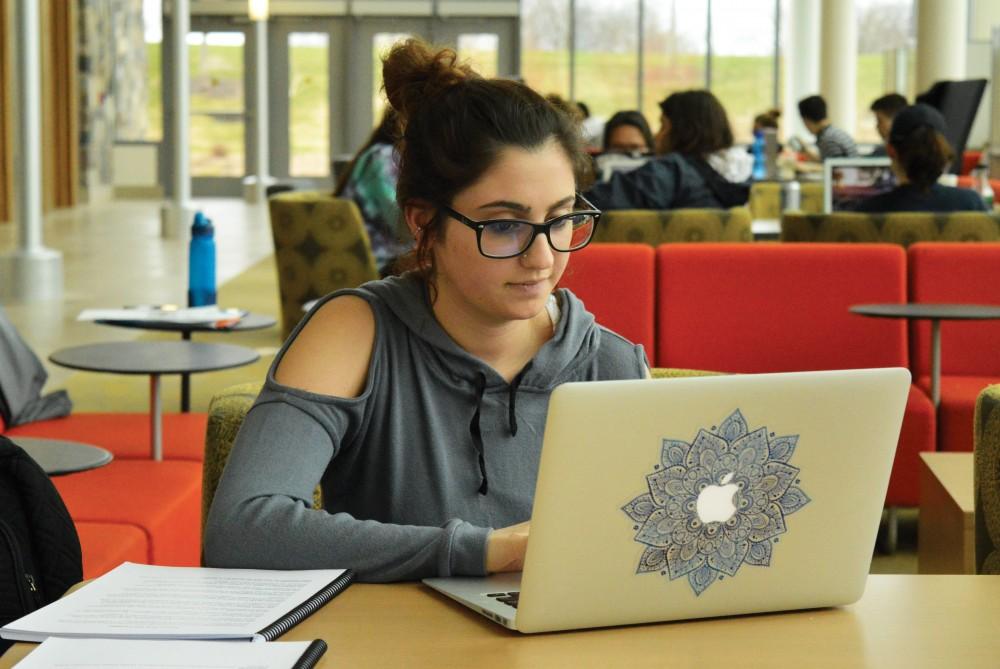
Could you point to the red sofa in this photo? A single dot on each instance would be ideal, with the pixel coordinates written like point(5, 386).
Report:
point(133, 508)
point(784, 307)
point(616, 282)
point(970, 354)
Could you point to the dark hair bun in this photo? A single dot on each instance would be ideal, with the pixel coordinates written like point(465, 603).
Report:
point(413, 73)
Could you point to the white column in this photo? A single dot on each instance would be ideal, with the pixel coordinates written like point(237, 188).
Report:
point(178, 212)
point(839, 62)
point(31, 271)
point(261, 124)
point(942, 33)
point(801, 54)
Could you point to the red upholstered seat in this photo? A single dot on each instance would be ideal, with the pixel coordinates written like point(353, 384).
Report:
point(970, 351)
point(126, 435)
point(784, 307)
point(616, 283)
point(107, 545)
point(163, 499)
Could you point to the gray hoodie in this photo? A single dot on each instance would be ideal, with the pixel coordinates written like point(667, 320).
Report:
point(436, 450)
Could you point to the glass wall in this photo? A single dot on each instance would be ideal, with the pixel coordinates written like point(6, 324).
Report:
point(482, 51)
point(309, 104)
point(381, 43)
point(218, 106)
point(545, 31)
point(606, 63)
point(674, 51)
point(884, 28)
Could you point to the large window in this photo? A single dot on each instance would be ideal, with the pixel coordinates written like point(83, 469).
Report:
point(545, 45)
point(606, 68)
point(886, 35)
point(309, 104)
point(742, 72)
point(673, 51)
point(481, 50)
point(381, 44)
point(218, 106)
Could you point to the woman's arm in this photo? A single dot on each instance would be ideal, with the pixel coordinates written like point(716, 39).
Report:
point(261, 515)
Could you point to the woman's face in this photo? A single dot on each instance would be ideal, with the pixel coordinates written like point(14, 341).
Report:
point(627, 139)
point(527, 185)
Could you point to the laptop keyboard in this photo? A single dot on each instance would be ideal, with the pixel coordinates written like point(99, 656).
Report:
point(508, 598)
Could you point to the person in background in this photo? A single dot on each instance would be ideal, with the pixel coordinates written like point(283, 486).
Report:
point(831, 141)
point(920, 154)
point(370, 181)
point(628, 132)
point(418, 402)
point(885, 109)
point(768, 119)
point(696, 163)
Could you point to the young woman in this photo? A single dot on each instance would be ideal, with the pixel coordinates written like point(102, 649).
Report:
point(418, 402)
point(920, 154)
point(628, 132)
point(696, 166)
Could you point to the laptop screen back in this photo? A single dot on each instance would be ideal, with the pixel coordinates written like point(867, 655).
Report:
point(849, 181)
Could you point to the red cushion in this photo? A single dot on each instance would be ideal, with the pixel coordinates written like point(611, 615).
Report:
point(968, 182)
point(958, 409)
point(778, 307)
point(969, 160)
point(916, 435)
point(960, 274)
point(126, 435)
point(161, 498)
point(615, 282)
point(107, 545)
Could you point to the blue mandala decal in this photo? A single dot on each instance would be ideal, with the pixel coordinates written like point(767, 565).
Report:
point(716, 503)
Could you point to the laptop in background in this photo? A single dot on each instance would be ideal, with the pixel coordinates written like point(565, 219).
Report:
point(848, 181)
point(698, 497)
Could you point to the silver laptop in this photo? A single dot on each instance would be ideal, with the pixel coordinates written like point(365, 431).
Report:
point(849, 181)
point(698, 497)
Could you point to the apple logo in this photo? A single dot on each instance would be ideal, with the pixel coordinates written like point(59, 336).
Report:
point(715, 503)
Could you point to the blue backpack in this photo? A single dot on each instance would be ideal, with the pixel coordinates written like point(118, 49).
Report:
point(39, 548)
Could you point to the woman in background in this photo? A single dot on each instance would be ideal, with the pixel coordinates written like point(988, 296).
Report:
point(628, 132)
point(920, 154)
point(370, 181)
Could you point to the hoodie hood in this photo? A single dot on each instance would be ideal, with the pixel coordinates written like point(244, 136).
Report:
point(573, 345)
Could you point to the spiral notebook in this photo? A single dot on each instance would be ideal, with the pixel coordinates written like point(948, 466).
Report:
point(137, 601)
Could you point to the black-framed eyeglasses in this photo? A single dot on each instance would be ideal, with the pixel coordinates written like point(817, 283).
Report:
point(509, 237)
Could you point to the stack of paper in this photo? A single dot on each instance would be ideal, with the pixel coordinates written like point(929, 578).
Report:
point(167, 313)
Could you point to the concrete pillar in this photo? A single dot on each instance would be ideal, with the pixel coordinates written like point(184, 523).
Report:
point(801, 56)
point(31, 271)
point(257, 190)
point(942, 36)
point(176, 214)
point(839, 62)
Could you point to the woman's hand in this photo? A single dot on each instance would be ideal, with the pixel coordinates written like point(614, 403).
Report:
point(505, 548)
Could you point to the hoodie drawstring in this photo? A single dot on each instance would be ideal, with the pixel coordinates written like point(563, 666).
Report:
point(476, 431)
point(511, 399)
point(477, 435)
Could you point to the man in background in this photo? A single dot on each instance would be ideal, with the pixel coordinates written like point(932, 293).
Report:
point(831, 141)
point(885, 109)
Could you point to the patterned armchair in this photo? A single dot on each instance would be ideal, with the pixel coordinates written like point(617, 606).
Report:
point(765, 199)
point(987, 481)
point(903, 227)
point(320, 245)
point(655, 227)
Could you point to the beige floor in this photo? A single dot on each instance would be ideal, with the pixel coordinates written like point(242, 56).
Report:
point(114, 255)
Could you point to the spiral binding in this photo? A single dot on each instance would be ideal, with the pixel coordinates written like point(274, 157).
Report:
point(300, 613)
point(311, 657)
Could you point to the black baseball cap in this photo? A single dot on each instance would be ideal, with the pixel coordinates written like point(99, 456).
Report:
point(915, 116)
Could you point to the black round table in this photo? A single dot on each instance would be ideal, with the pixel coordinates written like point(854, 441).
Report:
point(935, 313)
point(154, 358)
point(59, 456)
point(250, 321)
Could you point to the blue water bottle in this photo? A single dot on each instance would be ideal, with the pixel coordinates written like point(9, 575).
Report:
point(201, 262)
point(759, 162)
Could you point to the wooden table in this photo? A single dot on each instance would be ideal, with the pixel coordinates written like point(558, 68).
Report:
point(947, 531)
point(902, 621)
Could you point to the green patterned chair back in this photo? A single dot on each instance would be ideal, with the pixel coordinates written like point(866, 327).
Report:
point(654, 227)
point(901, 227)
point(225, 415)
point(987, 481)
point(765, 199)
point(320, 246)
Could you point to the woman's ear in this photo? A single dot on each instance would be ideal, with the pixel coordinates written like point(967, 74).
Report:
point(418, 215)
